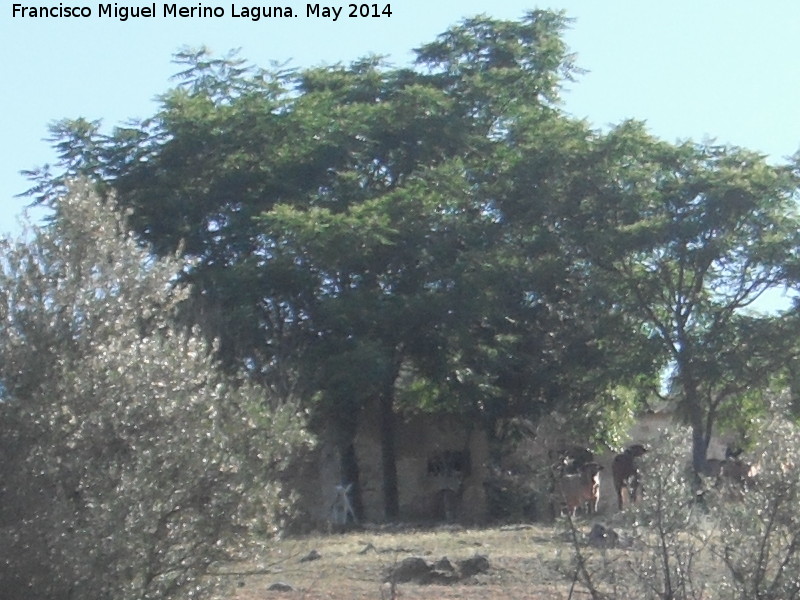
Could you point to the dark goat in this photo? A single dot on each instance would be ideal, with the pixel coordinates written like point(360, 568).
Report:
point(731, 471)
point(626, 473)
point(713, 468)
point(570, 460)
point(737, 470)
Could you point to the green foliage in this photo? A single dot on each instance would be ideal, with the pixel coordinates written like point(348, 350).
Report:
point(692, 236)
point(493, 64)
point(445, 235)
point(130, 464)
point(408, 215)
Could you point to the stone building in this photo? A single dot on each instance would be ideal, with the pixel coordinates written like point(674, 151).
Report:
point(441, 469)
point(445, 475)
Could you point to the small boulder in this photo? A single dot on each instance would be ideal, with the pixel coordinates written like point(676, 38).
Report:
point(444, 565)
point(473, 566)
point(313, 555)
point(412, 568)
point(279, 586)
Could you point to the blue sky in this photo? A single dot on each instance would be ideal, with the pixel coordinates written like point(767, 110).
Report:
point(693, 69)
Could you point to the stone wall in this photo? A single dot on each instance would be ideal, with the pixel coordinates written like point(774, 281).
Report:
point(441, 467)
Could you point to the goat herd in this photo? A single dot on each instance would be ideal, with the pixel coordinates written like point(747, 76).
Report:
point(576, 476)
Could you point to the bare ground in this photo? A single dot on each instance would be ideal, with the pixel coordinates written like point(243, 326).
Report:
point(525, 562)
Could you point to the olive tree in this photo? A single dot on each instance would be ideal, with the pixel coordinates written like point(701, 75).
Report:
point(760, 530)
point(130, 464)
point(736, 539)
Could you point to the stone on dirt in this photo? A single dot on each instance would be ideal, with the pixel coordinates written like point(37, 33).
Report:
point(418, 570)
point(313, 555)
point(472, 566)
point(279, 586)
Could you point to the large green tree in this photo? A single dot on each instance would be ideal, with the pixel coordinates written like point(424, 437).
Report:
point(358, 231)
point(692, 236)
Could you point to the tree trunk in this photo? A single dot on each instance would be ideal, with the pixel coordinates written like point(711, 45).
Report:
point(391, 500)
point(695, 410)
point(699, 448)
point(700, 434)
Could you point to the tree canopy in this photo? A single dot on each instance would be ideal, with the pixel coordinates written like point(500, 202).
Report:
point(443, 237)
point(694, 235)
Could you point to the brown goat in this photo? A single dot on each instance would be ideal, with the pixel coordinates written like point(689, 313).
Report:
point(574, 490)
point(734, 473)
point(626, 473)
point(739, 471)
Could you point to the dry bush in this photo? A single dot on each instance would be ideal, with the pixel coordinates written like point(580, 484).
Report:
point(739, 540)
point(759, 541)
point(129, 464)
point(665, 539)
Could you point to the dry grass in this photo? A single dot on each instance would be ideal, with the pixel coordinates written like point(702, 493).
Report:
point(525, 562)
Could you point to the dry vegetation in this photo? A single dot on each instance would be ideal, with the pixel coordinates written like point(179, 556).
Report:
point(672, 545)
point(525, 562)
